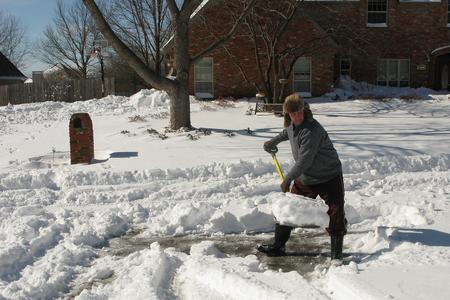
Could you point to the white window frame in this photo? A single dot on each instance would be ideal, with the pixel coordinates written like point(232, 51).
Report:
point(303, 94)
point(203, 95)
point(380, 25)
point(397, 62)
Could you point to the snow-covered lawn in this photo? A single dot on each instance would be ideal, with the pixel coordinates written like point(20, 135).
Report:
point(57, 220)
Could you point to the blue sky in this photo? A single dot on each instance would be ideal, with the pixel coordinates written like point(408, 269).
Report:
point(36, 15)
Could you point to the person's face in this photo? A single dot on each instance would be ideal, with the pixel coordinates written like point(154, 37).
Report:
point(297, 117)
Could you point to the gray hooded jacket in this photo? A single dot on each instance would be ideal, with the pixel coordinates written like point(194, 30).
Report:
point(316, 160)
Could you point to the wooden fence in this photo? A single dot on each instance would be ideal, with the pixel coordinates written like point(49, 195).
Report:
point(66, 91)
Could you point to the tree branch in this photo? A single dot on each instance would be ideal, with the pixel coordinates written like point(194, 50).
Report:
point(134, 61)
point(225, 38)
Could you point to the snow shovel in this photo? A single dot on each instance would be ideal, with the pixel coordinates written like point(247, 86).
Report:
point(277, 165)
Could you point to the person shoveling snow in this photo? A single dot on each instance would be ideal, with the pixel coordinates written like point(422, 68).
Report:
point(317, 172)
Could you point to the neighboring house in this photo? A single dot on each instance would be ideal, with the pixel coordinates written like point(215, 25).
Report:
point(398, 43)
point(9, 74)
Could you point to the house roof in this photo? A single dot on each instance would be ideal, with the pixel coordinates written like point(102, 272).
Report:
point(7, 69)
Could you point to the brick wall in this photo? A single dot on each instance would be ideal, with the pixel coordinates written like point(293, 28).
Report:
point(414, 30)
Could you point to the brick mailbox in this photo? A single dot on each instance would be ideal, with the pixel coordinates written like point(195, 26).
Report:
point(81, 139)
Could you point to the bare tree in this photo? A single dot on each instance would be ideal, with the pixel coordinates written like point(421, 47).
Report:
point(13, 42)
point(267, 27)
point(144, 26)
point(180, 13)
point(70, 39)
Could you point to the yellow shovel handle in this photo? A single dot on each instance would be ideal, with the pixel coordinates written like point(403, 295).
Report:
point(277, 165)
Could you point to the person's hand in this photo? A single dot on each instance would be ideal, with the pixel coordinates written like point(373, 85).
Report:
point(270, 147)
point(285, 186)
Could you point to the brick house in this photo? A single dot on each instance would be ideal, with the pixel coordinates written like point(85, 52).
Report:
point(395, 43)
point(9, 74)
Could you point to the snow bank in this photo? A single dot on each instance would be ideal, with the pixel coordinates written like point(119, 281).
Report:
point(212, 203)
point(146, 100)
point(144, 274)
point(50, 276)
point(381, 166)
point(350, 89)
point(147, 103)
point(239, 278)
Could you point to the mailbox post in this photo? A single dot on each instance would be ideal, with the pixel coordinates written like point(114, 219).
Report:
point(81, 139)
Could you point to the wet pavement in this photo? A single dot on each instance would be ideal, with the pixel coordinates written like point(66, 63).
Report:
point(304, 251)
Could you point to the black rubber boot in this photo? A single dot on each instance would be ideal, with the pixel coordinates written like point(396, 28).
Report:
point(336, 247)
point(282, 234)
point(271, 250)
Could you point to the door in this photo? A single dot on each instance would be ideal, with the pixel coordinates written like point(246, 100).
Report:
point(444, 77)
point(442, 72)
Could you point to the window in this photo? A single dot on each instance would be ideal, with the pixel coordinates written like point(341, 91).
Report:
point(203, 84)
point(377, 12)
point(345, 66)
point(302, 76)
point(393, 72)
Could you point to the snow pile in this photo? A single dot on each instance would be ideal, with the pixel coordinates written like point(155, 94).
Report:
point(239, 278)
point(146, 100)
point(375, 241)
point(141, 275)
point(37, 113)
point(350, 89)
point(298, 211)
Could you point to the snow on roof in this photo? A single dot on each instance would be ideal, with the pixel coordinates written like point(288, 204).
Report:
point(439, 49)
point(199, 7)
point(53, 69)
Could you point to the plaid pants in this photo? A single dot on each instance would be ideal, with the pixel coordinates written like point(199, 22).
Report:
point(332, 192)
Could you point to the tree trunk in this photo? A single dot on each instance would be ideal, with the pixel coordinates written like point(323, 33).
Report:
point(180, 107)
point(177, 89)
point(179, 100)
